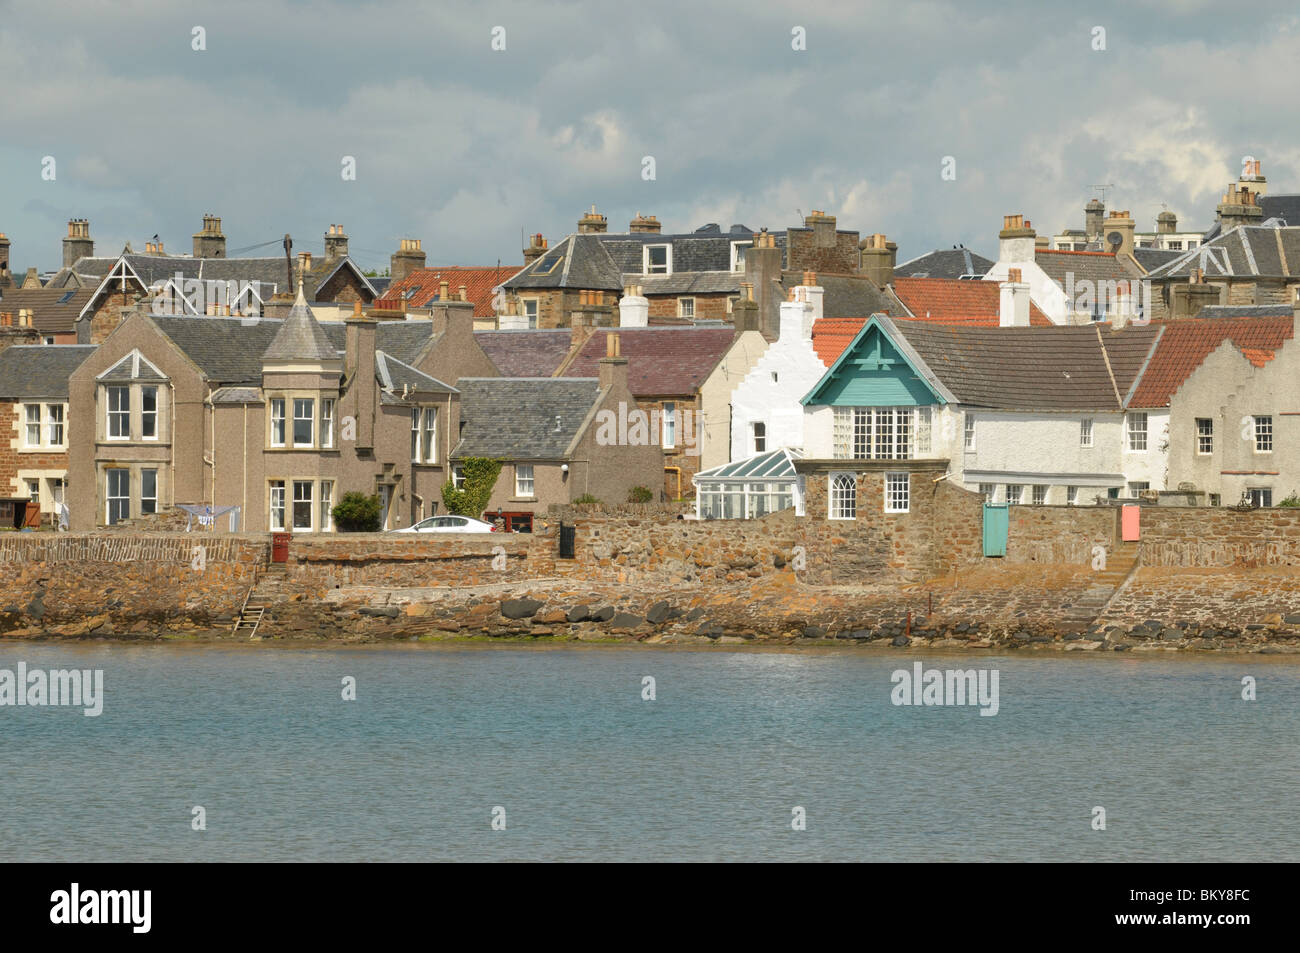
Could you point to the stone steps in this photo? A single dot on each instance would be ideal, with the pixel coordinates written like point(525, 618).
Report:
point(1120, 565)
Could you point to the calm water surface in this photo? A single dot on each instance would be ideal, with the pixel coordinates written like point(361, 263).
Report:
point(585, 769)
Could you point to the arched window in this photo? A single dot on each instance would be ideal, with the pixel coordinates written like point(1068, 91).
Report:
point(844, 497)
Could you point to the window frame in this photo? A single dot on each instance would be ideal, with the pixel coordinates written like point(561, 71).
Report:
point(1264, 433)
point(533, 304)
point(737, 261)
point(110, 413)
point(1204, 436)
point(758, 435)
point(430, 423)
point(968, 432)
point(146, 415)
point(272, 487)
point(325, 503)
point(61, 423)
point(124, 499)
point(310, 420)
point(152, 498)
point(1086, 433)
point(681, 307)
point(521, 479)
point(28, 424)
point(1132, 433)
point(277, 403)
point(837, 502)
point(327, 423)
point(646, 266)
point(668, 425)
point(309, 503)
point(893, 480)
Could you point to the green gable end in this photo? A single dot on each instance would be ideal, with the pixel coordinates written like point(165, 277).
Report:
point(872, 372)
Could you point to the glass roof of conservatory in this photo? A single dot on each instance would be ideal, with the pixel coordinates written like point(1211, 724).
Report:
point(774, 465)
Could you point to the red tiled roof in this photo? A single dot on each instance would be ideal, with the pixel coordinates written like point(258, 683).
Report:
point(832, 335)
point(661, 361)
point(479, 284)
point(1187, 343)
point(948, 301)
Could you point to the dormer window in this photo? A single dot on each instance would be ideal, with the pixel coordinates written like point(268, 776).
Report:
point(738, 250)
point(657, 260)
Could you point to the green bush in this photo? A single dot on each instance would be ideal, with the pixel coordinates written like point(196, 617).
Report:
point(640, 494)
point(586, 498)
point(1292, 500)
point(358, 513)
point(480, 477)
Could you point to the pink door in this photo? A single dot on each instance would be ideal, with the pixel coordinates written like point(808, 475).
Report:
point(1130, 519)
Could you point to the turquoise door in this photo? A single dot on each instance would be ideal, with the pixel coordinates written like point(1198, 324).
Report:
point(995, 529)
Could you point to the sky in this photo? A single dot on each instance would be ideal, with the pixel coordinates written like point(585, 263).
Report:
point(470, 148)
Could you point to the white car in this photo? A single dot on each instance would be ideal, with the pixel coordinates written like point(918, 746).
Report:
point(448, 524)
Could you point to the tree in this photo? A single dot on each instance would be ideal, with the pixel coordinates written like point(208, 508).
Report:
point(472, 499)
point(358, 513)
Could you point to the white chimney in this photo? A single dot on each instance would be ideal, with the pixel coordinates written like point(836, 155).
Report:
point(1013, 301)
point(796, 318)
point(1016, 241)
point(811, 292)
point(633, 308)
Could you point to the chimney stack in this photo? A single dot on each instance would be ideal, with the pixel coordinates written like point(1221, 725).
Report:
point(592, 223)
point(633, 308)
point(613, 366)
point(1239, 207)
point(796, 317)
point(336, 243)
point(408, 258)
point(744, 313)
point(535, 250)
point(78, 243)
point(1016, 240)
point(1166, 223)
point(1253, 178)
point(763, 267)
point(1013, 301)
point(6, 280)
point(646, 224)
point(304, 263)
point(1120, 223)
point(210, 243)
point(359, 365)
point(1094, 216)
point(878, 257)
point(823, 228)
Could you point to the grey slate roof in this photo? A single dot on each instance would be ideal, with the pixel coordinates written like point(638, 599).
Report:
point(1083, 265)
point(39, 372)
point(516, 418)
point(394, 375)
point(229, 351)
point(531, 353)
point(605, 261)
point(51, 313)
point(1245, 251)
point(944, 263)
point(300, 337)
point(1152, 258)
point(843, 296)
point(1033, 369)
point(1244, 311)
point(237, 395)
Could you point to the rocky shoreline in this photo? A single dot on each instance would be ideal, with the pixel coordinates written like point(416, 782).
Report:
point(770, 615)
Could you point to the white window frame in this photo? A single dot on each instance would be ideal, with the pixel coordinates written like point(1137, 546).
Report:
point(111, 413)
point(417, 434)
point(310, 420)
point(532, 309)
point(1071, 496)
point(154, 498)
point(667, 268)
point(923, 432)
point(736, 260)
point(525, 481)
point(29, 424)
point(310, 503)
point(458, 476)
point(1019, 494)
point(837, 502)
point(326, 505)
point(61, 411)
point(146, 414)
point(1263, 435)
point(1257, 494)
point(1204, 436)
point(898, 492)
point(276, 415)
point(1085, 433)
point(968, 432)
point(668, 414)
point(1134, 434)
point(757, 435)
point(327, 423)
point(988, 492)
point(430, 434)
point(275, 491)
point(1038, 494)
point(109, 497)
point(681, 307)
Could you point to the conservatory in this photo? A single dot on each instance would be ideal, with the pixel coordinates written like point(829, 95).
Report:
point(750, 488)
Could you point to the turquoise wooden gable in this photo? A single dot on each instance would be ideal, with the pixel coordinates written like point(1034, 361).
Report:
point(872, 372)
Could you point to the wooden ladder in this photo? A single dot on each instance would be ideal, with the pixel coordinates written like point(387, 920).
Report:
point(250, 616)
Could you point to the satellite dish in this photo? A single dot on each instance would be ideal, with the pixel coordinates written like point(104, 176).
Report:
point(1115, 238)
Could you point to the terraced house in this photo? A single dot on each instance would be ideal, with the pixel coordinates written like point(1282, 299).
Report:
point(34, 422)
point(276, 417)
